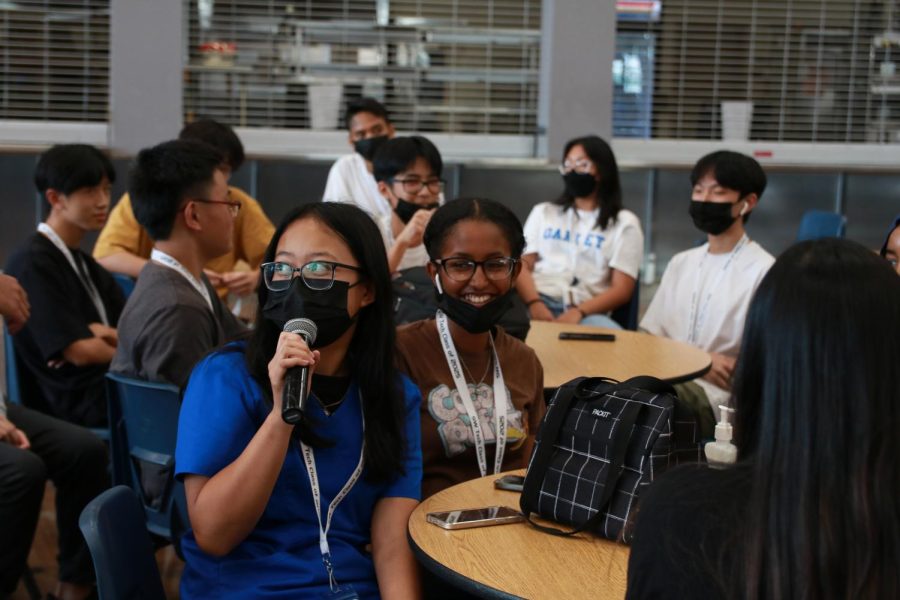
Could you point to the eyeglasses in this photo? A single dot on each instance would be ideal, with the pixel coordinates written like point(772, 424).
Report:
point(316, 275)
point(463, 269)
point(233, 205)
point(579, 166)
point(415, 185)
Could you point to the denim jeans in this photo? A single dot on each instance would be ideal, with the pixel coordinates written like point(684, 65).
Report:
point(557, 307)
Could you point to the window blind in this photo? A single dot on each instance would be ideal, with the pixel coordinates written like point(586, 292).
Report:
point(461, 66)
point(54, 60)
point(786, 70)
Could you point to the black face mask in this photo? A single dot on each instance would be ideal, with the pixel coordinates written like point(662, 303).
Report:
point(474, 319)
point(326, 308)
point(405, 210)
point(369, 146)
point(712, 217)
point(579, 185)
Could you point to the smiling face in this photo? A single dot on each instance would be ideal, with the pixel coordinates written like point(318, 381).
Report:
point(86, 208)
point(478, 241)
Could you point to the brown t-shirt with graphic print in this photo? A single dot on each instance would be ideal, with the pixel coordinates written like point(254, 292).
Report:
point(448, 446)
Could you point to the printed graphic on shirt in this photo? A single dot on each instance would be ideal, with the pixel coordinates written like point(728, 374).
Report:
point(446, 407)
point(591, 240)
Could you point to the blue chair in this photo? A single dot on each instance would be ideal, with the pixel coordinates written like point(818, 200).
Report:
point(113, 527)
point(627, 314)
point(125, 282)
point(818, 224)
point(143, 421)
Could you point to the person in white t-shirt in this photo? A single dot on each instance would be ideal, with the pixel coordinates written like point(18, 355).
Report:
point(583, 250)
point(350, 178)
point(705, 291)
point(408, 171)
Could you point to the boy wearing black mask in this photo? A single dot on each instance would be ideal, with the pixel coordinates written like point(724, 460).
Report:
point(408, 172)
point(350, 178)
point(703, 297)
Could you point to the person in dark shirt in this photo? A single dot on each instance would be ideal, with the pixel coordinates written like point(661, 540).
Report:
point(68, 342)
point(179, 194)
point(810, 509)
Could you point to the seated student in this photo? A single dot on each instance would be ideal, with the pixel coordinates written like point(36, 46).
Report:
point(891, 247)
point(258, 523)
point(810, 508)
point(408, 172)
point(173, 317)
point(475, 248)
point(124, 246)
point(583, 251)
point(33, 447)
point(704, 293)
point(67, 344)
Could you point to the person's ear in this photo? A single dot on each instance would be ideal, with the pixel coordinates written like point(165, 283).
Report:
point(517, 268)
point(390, 131)
point(431, 268)
point(350, 141)
point(368, 296)
point(386, 193)
point(191, 216)
point(54, 198)
point(750, 201)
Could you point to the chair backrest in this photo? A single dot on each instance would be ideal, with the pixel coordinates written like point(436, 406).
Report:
point(817, 224)
point(143, 421)
point(13, 393)
point(113, 527)
point(627, 314)
point(126, 283)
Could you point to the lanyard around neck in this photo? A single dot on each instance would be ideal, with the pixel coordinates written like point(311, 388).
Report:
point(699, 313)
point(83, 276)
point(462, 388)
point(164, 259)
point(310, 460)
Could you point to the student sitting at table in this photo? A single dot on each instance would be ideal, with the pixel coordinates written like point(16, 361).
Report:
point(67, 344)
point(705, 291)
point(890, 250)
point(261, 494)
point(584, 250)
point(408, 172)
point(810, 508)
point(124, 246)
point(469, 370)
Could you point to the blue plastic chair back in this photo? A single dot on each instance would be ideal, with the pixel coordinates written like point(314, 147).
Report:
point(627, 314)
point(125, 282)
point(818, 224)
point(13, 393)
point(143, 419)
point(113, 527)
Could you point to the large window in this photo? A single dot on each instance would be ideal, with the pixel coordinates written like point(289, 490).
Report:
point(461, 66)
point(54, 60)
point(776, 70)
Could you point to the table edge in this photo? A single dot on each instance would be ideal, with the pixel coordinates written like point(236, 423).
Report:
point(459, 580)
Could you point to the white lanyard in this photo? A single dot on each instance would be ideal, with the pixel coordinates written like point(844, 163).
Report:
point(83, 277)
point(310, 460)
point(164, 259)
point(462, 388)
point(698, 314)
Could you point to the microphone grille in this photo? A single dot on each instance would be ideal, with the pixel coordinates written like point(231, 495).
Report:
point(304, 327)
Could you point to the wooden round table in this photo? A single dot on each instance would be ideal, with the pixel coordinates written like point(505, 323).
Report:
point(516, 560)
point(632, 353)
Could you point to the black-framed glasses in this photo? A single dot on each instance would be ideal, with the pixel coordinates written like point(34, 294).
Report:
point(414, 185)
point(233, 205)
point(316, 275)
point(462, 269)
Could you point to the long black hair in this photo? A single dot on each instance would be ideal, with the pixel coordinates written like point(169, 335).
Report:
point(816, 393)
point(371, 349)
point(609, 189)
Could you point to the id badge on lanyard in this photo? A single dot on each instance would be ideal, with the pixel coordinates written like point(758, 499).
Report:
point(501, 405)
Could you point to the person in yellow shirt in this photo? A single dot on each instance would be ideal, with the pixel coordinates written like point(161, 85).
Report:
point(124, 246)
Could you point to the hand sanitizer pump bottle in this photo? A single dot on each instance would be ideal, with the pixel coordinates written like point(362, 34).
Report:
point(722, 452)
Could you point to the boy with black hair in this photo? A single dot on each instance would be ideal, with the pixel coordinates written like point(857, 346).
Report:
point(68, 342)
point(350, 178)
point(124, 246)
point(705, 292)
point(180, 195)
point(408, 171)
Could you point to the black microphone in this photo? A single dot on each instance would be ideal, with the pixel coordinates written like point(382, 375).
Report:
point(296, 382)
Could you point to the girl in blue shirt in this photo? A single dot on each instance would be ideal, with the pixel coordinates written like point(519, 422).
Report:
point(258, 530)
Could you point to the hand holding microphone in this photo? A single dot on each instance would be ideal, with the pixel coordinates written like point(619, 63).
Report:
point(289, 369)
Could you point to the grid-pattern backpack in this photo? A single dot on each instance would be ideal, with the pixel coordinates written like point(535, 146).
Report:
point(600, 444)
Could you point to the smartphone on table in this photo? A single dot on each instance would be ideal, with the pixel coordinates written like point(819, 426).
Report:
point(587, 337)
point(510, 483)
point(474, 517)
